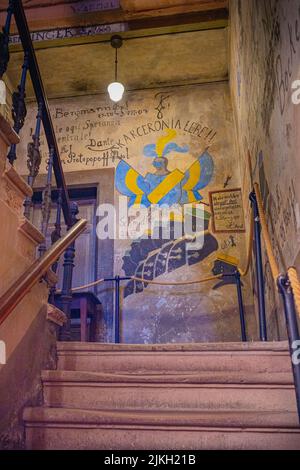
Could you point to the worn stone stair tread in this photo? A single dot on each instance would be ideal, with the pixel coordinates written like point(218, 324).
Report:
point(227, 362)
point(188, 347)
point(199, 377)
point(166, 396)
point(192, 418)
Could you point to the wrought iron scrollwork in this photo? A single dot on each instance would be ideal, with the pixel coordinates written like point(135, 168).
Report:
point(56, 235)
point(4, 41)
point(34, 158)
point(19, 110)
point(4, 52)
point(46, 204)
point(66, 293)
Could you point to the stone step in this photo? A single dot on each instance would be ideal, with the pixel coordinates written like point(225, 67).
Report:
point(61, 428)
point(198, 377)
point(75, 389)
point(267, 358)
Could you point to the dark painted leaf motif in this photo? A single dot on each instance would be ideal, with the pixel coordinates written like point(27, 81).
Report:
point(152, 258)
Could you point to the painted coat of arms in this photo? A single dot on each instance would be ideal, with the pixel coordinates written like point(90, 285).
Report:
point(149, 258)
point(163, 186)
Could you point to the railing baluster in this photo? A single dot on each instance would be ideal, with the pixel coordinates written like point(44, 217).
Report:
point(292, 330)
point(19, 108)
point(34, 158)
point(66, 293)
point(56, 235)
point(241, 306)
point(117, 309)
point(259, 270)
point(46, 204)
point(4, 40)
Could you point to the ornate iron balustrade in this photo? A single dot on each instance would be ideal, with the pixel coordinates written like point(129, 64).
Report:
point(43, 118)
point(19, 109)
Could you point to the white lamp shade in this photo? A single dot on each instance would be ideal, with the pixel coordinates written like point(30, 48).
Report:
point(115, 91)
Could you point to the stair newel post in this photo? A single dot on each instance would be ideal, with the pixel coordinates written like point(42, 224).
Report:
point(241, 306)
point(46, 204)
point(117, 309)
point(19, 110)
point(292, 331)
point(4, 40)
point(66, 293)
point(56, 235)
point(34, 158)
point(259, 269)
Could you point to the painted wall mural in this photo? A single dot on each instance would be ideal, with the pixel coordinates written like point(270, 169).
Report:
point(148, 258)
point(168, 147)
point(162, 186)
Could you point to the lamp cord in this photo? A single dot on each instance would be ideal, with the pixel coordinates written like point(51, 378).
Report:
point(116, 66)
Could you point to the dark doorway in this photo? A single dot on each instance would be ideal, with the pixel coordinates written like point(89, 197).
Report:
point(85, 270)
point(89, 189)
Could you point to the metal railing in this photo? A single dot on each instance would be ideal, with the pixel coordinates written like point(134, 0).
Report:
point(31, 276)
point(117, 305)
point(236, 275)
point(31, 64)
point(287, 284)
point(34, 158)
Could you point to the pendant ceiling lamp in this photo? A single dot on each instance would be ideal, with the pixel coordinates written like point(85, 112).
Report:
point(116, 89)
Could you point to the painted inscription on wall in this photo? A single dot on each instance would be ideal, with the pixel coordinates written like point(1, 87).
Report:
point(165, 151)
point(227, 211)
point(71, 9)
point(69, 33)
point(94, 133)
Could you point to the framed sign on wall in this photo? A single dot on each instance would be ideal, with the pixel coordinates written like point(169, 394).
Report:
point(227, 211)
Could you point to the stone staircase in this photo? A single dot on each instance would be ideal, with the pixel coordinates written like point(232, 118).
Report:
point(192, 396)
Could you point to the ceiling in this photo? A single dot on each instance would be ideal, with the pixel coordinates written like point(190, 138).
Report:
point(49, 13)
point(177, 51)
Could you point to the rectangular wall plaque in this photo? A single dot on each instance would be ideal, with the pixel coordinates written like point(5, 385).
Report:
point(227, 211)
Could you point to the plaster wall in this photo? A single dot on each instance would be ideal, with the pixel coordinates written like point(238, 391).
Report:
point(265, 53)
point(93, 134)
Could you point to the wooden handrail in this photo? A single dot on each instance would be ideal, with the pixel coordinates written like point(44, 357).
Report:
point(12, 297)
point(41, 98)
